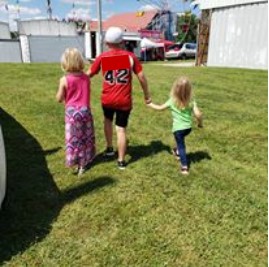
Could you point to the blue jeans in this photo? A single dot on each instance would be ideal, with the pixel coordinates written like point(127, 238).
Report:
point(180, 139)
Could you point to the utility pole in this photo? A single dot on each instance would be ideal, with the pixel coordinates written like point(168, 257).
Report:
point(99, 14)
point(18, 15)
point(73, 11)
point(49, 9)
point(18, 9)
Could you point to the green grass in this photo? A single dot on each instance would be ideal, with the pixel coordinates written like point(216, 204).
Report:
point(149, 214)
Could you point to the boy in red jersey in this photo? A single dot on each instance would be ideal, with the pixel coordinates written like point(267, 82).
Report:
point(117, 66)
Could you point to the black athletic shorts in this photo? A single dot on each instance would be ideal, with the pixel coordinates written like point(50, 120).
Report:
point(122, 116)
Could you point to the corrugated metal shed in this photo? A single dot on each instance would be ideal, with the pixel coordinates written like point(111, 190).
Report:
point(50, 48)
point(238, 35)
point(10, 51)
point(208, 4)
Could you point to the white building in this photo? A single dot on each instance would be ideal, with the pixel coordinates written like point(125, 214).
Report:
point(45, 40)
point(238, 34)
point(9, 48)
point(4, 31)
point(45, 27)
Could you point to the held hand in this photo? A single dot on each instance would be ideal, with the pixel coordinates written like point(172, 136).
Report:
point(150, 105)
point(148, 101)
point(157, 107)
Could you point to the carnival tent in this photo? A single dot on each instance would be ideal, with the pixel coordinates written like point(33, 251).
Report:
point(147, 43)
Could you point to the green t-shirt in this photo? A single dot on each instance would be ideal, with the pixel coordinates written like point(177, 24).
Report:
point(182, 117)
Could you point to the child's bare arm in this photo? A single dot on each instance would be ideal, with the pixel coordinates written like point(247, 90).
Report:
point(89, 74)
point(157, 107)
point(144, 84)
point(61, 90)
point(198, 115)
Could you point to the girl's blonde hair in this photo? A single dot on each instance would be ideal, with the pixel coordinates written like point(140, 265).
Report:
point(72, 60)
point(181, 92)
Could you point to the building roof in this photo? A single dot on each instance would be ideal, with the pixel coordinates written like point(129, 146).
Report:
point(208, 4)
point(129, 22)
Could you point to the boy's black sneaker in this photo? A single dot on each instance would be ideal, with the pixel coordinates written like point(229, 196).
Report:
point(122, 165)
point(109, 152)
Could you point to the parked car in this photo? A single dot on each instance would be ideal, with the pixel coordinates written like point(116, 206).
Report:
point(181, 50)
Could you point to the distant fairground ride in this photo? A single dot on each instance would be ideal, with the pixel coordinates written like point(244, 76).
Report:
point(177, 19)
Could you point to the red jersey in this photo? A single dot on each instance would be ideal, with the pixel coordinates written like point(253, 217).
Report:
point(117, 66)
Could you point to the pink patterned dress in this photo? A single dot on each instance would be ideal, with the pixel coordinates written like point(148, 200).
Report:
point(79, 125)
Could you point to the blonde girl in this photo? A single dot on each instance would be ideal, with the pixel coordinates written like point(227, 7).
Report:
point(182, 107)
point(74, 91)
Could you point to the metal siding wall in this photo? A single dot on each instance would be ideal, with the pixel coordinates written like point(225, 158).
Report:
point(239, 37)
point(50, 48)
point(10, 51)
point(4, 31)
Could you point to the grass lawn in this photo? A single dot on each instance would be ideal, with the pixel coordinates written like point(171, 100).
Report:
point(149, 214)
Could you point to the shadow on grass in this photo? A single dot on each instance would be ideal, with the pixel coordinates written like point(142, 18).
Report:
point(198, 156)
point(73, 193)
point(136, 153)
point(33, 200)
point(142, 151)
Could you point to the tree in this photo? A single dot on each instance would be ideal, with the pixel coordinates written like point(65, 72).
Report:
point(187, 27)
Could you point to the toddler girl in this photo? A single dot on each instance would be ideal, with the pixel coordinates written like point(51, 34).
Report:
point(182, 107)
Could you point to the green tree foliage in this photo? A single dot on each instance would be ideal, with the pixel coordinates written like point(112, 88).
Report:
point(187, 27)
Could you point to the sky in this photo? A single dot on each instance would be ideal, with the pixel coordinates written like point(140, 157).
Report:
point(82, 9)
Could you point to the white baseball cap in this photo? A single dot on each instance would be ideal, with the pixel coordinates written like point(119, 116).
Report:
point(114, 35)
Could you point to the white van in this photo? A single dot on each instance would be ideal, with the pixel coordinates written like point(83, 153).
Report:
point(182, 50)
